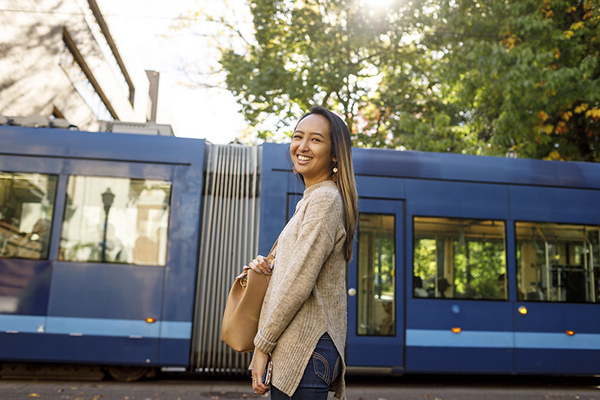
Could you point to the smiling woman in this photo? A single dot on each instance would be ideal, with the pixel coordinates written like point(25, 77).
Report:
point(303, 320)
point(311, 150)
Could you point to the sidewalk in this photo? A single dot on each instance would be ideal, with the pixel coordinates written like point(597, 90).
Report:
point(359, 388)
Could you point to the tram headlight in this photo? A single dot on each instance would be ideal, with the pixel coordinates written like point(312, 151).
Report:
point(570, 333)
point(522, 310)
point(150, 320)
point(456, 329)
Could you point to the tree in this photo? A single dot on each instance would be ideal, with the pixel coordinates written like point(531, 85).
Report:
point(469, 76)
point(313, 52)
point(527, 74)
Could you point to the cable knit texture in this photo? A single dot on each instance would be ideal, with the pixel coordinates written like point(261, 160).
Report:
point(307, 292)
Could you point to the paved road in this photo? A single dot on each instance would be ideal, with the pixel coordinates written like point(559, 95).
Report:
point(401, 388)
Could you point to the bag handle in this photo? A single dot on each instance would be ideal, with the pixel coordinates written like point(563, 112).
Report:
point(270, 258)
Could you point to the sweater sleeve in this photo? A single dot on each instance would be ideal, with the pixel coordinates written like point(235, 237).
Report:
point(314, 244)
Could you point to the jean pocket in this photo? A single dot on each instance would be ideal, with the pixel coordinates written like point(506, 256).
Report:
point(323, 368)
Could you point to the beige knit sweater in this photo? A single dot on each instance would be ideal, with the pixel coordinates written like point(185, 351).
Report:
point(307, 292)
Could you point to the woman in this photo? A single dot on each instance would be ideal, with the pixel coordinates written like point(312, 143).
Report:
point(303, 321)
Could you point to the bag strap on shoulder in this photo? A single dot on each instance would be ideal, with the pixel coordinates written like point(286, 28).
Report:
point(271, 256)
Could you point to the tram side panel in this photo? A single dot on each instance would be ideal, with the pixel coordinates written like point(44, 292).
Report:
point(120, 298)
point(25, 270)
point(557, 239)
point(466, 230)
point(503, 249)
point(456, 320)
point(504, 278)
point(180, 272)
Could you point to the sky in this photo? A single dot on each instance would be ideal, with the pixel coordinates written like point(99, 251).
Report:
point(141, 29)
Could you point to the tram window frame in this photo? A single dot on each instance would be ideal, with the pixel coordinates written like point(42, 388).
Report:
point(555, 286)
point(376, 309)
point(444, 273)
point(31, 238)
point(112, 245)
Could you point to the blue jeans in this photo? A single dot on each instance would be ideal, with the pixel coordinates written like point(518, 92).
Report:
point(322, 369)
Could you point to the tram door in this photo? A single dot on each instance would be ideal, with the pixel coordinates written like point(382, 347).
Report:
point(375, 298)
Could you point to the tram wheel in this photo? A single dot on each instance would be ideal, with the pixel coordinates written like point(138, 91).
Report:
point(127, 374)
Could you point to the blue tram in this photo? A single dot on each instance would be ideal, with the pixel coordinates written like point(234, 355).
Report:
point(118, 251)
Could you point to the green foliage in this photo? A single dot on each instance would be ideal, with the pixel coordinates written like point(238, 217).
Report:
point(309, 53)
point(528, 73)
point(476, 266)
point(477, 270)
point(424, 260)
point(383, 257)
point(470, 76)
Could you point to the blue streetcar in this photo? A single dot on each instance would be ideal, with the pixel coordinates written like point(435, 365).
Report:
point(117, 251)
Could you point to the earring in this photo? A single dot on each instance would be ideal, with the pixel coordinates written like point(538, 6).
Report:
point(294, 170)
point(334, 177)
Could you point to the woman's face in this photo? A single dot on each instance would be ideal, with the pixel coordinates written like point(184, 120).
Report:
point(311, 149)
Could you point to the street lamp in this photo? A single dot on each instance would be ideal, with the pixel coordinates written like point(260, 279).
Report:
point(107, 199)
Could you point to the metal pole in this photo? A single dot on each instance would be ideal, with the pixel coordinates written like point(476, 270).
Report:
point(104, 236)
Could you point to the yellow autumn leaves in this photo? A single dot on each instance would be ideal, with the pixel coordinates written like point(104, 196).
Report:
point(561, 127)
point(510, 41)
point(593, 113)
point(574, 27)
point(588, 13)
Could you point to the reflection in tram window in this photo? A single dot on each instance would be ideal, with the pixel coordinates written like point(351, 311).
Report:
point(116, 220)
point(376, 275)
point(558, 262)
point(459, 258)
point(26, 207)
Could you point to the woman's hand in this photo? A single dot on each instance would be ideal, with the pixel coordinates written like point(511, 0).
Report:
point(259, 265)
point(259, 366)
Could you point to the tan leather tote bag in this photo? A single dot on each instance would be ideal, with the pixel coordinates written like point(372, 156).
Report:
point(242, 310)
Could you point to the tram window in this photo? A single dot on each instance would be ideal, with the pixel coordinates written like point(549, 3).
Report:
point(26, 209)
point(558, 262)
point(376, 257)
point(116, 220)
point(459, 258)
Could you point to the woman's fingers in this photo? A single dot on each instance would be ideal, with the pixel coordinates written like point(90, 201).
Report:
point(260, 265)
point(260, 360)
point(257, 384)
point(259, 387)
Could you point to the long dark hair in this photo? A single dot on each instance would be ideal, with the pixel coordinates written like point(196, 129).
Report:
point(341, 151)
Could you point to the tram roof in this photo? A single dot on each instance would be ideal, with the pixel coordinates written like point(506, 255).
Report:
point(466, 168)
point(367, 162)
point(50, 142)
